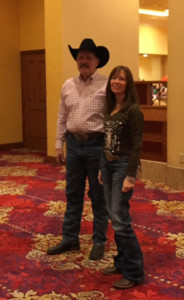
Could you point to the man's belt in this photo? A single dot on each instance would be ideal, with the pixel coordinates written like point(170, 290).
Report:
point(83, 137)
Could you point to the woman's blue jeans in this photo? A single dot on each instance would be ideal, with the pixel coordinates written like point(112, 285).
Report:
point(82, 161)
point(129, 258)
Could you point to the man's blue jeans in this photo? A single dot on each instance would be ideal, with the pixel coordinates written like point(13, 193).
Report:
point(129, 259)
point(82, 161)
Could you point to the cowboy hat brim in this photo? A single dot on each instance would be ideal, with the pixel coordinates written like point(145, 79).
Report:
point(88, 45)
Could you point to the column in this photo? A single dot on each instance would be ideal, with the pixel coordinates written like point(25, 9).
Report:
point(175, 114)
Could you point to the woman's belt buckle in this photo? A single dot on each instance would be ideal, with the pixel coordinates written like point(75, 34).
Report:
point(109, 156)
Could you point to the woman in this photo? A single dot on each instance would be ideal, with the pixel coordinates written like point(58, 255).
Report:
point(123, 141)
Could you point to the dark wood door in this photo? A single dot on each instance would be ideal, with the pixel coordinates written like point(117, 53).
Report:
point(34, 99)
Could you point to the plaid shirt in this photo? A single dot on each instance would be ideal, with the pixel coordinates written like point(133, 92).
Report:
point(82, 106)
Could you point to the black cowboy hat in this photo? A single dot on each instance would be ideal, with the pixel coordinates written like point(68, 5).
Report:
point(87, 44)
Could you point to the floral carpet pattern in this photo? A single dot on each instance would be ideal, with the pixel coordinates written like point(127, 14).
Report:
point(32, 205)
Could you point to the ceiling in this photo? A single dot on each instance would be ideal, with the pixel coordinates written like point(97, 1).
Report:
point(153, 4)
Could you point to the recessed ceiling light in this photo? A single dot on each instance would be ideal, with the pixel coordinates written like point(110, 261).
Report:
point(156, 13)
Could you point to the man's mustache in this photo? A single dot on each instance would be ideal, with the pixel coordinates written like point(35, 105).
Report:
point(84, 66)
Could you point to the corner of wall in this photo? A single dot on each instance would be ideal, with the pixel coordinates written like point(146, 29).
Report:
point(175, 177)
point(160, 172)
point(153, 170)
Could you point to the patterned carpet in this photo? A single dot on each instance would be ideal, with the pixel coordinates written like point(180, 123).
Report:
point(32, 205)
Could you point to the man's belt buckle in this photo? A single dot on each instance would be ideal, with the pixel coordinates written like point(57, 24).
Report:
point(81, 137)
point(109, 156)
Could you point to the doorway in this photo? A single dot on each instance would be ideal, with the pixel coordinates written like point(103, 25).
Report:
point(33, 77)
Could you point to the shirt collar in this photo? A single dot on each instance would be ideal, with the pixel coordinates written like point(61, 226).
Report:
point(91, 77)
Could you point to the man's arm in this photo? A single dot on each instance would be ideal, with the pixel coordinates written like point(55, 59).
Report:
point(61, 131)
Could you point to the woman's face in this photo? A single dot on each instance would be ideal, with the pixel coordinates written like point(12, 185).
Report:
point(118, 83)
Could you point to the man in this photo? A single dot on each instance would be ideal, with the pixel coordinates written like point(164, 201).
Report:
point(80, 123)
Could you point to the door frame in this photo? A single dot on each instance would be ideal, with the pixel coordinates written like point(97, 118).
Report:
point(22, 53)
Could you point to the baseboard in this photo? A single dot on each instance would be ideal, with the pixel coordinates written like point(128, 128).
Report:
point(162, 172)
point(175, 177)
point(153, 170)
point(11, 146)
point(50, 159)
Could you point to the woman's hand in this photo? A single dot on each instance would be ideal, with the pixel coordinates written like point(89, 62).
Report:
point(128, 185)
point(100, 177)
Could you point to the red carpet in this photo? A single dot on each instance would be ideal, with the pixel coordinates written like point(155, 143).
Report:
point(32, 204)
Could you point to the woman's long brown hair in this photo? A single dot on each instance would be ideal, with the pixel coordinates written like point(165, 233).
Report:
point(131, 93)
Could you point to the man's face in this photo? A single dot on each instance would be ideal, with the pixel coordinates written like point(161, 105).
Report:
point(87, 63)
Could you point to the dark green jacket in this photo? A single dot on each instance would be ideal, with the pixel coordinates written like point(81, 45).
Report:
point(124, 135)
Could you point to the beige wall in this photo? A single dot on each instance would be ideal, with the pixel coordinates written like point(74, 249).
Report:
point(175, 69)
point(10, 87)
point(54, 65)
point(31, 18)
point(24, 30)
point(153, 67)
point(112, 23)
point(153, 39)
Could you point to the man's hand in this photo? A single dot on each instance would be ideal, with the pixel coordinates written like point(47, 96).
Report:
point(60, 156)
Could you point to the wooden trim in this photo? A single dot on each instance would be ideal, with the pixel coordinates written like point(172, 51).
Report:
point(154, 113)
point(11, 146)
point(50, 159)
point(33, 51)
point(143, 82)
